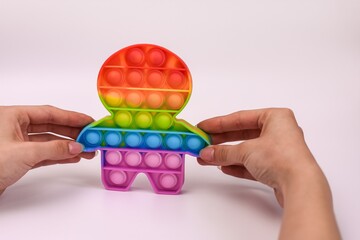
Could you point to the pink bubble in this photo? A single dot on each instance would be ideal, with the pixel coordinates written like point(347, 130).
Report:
point(118, 177)
point(168, 180)
point(113, 157)
point(133, 158)
point(173, 161)
point(153, 159)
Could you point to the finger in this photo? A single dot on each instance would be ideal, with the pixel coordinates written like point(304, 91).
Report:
point(226, 155)
point(247, 119)
point(237, 171)
point(240, 135)
point(71, 132)
point(53, 115)
point(35, 152)
point(87, 155)
point(51, 137)
point(52, 162)
point(44, 137)
point(204, 163)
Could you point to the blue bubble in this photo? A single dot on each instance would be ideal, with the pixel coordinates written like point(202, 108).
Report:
point(194, 143)
point(173, 141)
point(153, 140)
point(113, 139)
point(93, 138)
point(133, 139)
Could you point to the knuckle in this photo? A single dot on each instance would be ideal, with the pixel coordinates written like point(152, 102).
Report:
point(286, 112)
point(221, 155)
point(61, 148)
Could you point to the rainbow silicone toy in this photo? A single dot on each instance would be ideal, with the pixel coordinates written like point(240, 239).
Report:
point(143, 87)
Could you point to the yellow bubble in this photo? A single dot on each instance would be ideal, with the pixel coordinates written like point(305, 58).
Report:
point(163, 120)
point(143, 119)
point(123, 119)
point(114, 98)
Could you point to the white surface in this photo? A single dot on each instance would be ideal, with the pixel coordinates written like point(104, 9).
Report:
point(242, 54)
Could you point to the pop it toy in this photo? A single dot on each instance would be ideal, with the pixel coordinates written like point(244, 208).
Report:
point(144, 87)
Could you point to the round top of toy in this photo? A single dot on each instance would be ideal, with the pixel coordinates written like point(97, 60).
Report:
point(144, 77)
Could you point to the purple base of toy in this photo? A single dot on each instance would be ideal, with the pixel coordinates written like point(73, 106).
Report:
point(164, 169)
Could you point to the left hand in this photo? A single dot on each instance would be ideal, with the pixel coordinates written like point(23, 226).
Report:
point(28, 140)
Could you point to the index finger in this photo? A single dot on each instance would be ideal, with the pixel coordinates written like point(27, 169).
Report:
point(242, 120)
point(53, 115)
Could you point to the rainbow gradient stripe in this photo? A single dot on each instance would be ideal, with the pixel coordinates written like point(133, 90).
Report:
point(144, 87)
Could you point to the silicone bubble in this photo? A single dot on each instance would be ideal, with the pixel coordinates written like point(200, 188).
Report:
point(113, 157)
point(176, 80)
point(155, 78)
point(175, 101)
point(163, 121)
point(153, 140)
point(153, 159)
point(135, 77)
point(114, 77)
point(173, 160)
point(114, 98)
point(135, 56)
point(133, 158)
point(156, 57)
point(113, 138)
point(194, 143)
point(173, 141)
point(144, 87)
point(123, 119)
point(155, 100)
point(133, 139)
point(143, 119)
point(168, 180)
point(117, 177)
point(134, 99)
point(93, 138)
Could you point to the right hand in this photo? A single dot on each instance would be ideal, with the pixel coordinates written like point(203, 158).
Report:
point(274, 151)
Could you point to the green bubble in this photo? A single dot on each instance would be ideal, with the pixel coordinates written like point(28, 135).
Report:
point(143, 119)
point(123, 119)
point(163, 120)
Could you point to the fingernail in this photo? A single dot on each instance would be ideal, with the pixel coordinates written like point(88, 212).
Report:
point(207, 154)
point(75, 147)
point(96, 153)
point(219, 167)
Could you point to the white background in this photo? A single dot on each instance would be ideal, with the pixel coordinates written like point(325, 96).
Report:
point(242, 54)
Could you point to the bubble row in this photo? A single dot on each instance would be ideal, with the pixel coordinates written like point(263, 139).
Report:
point(143, 120)
point(148, 140)
point(137, 57)
point(153, 78)
point(138, 99)
point(165, 180)
point(150, 159)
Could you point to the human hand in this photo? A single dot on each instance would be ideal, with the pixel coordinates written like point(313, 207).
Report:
point(274, 151)
point(27, 139)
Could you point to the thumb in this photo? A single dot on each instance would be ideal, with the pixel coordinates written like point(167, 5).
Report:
point(36, 152)
point(224, 155)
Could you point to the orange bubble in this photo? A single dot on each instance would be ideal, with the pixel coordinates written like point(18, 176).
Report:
point(176, 80)
point(114, 77)
point(155, 100)
point(134, 77)
point(135, 56)
point(156, 57)
point(134, 99)
point(155, 78)
point(175, 101)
